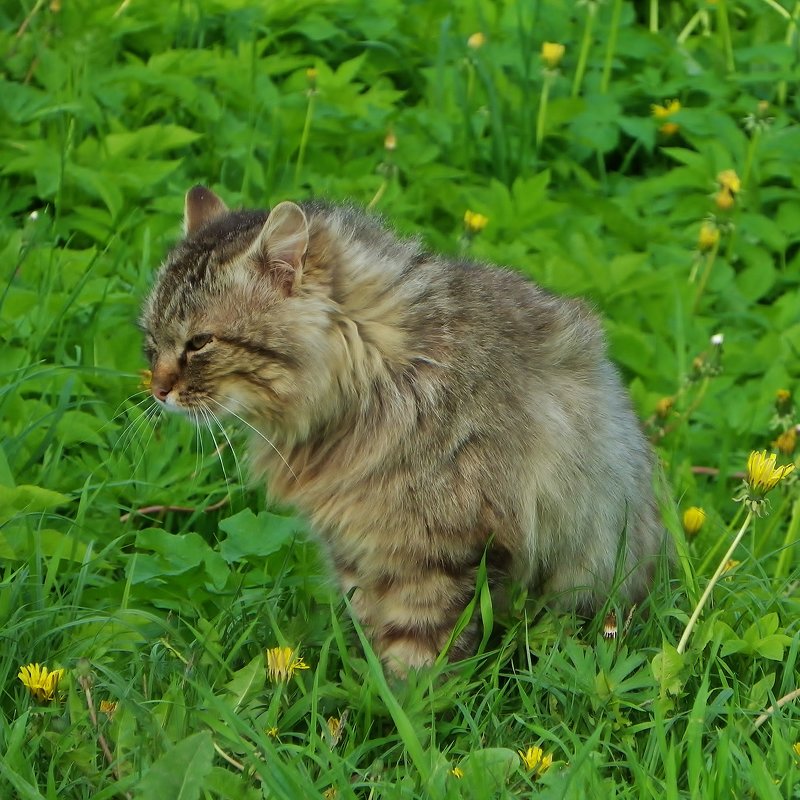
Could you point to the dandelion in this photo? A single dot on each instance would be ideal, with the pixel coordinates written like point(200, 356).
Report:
point(336, 728)
point(717, 340)
point(708, 237)
point(724, 200)
point(41, 682)
point(731, 564)
point(457, 772)
point(311, 74)
point(693, 520)
point(535, 760)
point(474, 222)
point(552, 53)
point(108, 707)
point(663, 113)
point(786, 442)
point(272, 732)
point(610, 628)
point(762, 473)
point(782, 397)
point(476, 41)
point(282, 663)
point(330, 793)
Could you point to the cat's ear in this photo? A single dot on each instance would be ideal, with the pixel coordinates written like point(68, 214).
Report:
point(281, 245)
point(201, 207)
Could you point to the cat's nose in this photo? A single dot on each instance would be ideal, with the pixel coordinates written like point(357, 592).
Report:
point(162, 384)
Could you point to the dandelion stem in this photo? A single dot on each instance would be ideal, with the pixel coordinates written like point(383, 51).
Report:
point(725, 34)
point(791, 31)
point(714, 578)
point(586, 43)
point(653, 16)
point(541, 116)
point(710, 258)
point(787, 698)
point(301, 152)
point(611, 47)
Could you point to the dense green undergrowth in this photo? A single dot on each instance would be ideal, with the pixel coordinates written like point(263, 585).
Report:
point(132, 555)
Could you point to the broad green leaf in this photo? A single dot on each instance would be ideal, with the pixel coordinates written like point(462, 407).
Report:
point(180, 773)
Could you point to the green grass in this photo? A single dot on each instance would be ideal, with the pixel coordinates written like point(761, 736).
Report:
point(110, 111)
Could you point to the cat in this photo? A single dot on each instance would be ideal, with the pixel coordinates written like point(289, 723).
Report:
point(424, 412)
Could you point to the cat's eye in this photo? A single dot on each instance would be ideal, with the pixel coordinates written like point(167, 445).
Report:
point(198, 342)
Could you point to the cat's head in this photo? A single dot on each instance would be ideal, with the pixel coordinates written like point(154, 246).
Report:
point(230, 324)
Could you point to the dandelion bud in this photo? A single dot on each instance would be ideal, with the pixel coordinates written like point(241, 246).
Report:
point(708, 237)
point(476, 41)
point(390, 142)
point(724, 200)
point(786, 442)
point(693, 520)
point(552, 53)
point(474, 222)
point(717, 339)
point(664, 406)
point(728, 179)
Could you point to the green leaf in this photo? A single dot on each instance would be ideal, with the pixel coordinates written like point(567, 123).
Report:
point(667, 667)
point(180, 773)
point(27, 499)
point(251, 536)
point(246, 683)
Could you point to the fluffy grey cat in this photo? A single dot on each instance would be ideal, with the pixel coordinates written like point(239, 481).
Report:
point(419, 409)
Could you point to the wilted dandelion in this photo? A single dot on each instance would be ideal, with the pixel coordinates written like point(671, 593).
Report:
point(610, 627)
point(693, 520)
point(336, 729)
point(664, 406)
point(552, 53)
point(282, 663)
point(41, 682)
point(535, 760)
point(108, 707)
point(476, 41)
point(786, 442)
point(474, 222)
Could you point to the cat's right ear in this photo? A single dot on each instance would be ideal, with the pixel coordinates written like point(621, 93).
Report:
point(202, 206)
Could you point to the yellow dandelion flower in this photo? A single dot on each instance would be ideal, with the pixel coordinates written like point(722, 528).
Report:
point(786, 442)
point(476, 41)
point(311, 74)
point(108, 707)
point(330, 793)
point(664, 406)
point(535, 760)
point(457, 772)
point(762, 473)
point(796, 749)
point(552, 53)
point(783, 396)
point(669, 108)
point(708, 237)
point(272, 732)
point(724, 199)
point(693, 520)
point(474, 222)
point(41, 682)
point(282, 663)
point(729, 180)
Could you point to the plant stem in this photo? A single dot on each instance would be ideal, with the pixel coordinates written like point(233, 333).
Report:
point(586, 43)
point(725, 34)
point(714, 578)
point(301, 152)
point(611, 47)
point(710, 258)
point(653, 16)
point(541, 116)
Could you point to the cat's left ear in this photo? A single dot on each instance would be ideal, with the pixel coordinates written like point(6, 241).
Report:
point(281, 245)
point(201, 207)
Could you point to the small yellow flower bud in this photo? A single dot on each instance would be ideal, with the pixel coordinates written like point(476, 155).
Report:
point(552, 53)
point(664, 406)
point(708, 237)
point(693, 520)
point(390, 142)
point(474, 222)
point(311, 75)
point(476, 41)
point(669, 128)
point(782, 398)
point(786, 442)
point(728, 179)
point(724, 199)
point(457, 772)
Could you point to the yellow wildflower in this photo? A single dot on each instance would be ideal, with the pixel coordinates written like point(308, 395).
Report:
point(41, 682)
point(783, 396)
point(693, 520)
point(708, 237)
point(272, 732)
point(729, 180)
point(390, 142)
point(457, 772)
point(663, 113)
point(762, 474)
point(786, 442)
point(552, 53)
point(474, 222)
point(664, 406)
point(535, 760)
point(476, 41)
point(108, 707)
point(311, 74)
point(330, 793)
point(282, 663)
point(724, 199)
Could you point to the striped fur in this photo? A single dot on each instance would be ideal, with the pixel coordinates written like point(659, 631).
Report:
point(418, 408)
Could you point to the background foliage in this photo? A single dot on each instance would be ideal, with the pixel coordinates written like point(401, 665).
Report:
point(111, 110)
